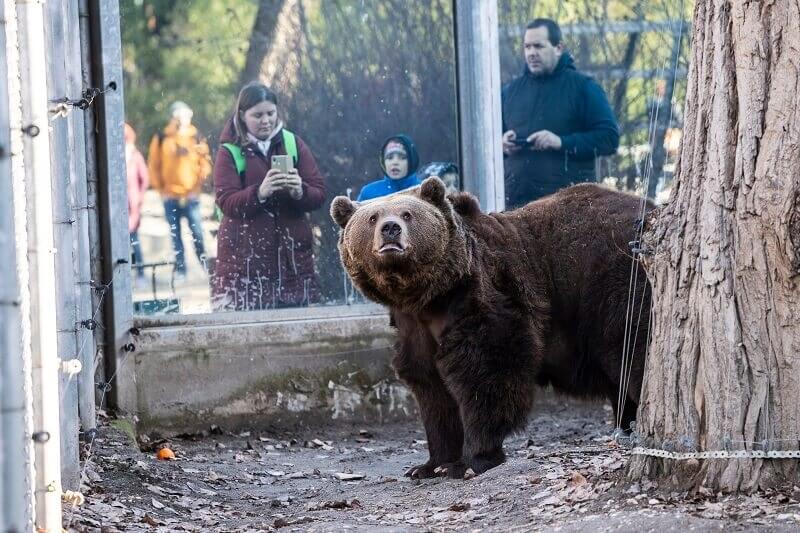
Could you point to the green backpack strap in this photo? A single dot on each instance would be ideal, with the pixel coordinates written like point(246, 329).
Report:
point(238, 157)
point(290, 142)
point(241, 165)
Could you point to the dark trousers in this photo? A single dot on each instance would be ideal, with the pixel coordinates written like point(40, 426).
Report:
point(175, 210)
point(136, 254)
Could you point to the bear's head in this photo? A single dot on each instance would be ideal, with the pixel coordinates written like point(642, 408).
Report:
point(403, 250)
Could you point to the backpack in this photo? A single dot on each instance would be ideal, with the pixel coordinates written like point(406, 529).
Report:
point(289, 141)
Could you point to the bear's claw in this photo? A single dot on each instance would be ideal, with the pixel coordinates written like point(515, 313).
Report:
point(455, 471)
point(422, 471)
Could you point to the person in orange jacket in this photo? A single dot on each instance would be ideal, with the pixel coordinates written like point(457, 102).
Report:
point(179, 163)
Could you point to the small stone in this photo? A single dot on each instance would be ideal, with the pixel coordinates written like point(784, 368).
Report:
point(344, 476)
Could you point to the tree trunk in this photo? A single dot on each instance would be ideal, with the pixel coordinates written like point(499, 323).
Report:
point(279, 66)
point(724, 362)
point(627, 62)
point(261, 38)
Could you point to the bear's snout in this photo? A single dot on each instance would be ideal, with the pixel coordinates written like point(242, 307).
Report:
point(391, 230)
point(390, 236)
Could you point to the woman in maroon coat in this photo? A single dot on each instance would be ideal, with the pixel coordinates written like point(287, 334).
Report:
point(264, 244)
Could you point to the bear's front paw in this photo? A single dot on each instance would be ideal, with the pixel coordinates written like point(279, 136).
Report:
point(471, 467)
point(422, 471)
point(457, 470)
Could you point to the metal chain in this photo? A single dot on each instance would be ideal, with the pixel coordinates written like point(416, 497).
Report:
point(718, 454)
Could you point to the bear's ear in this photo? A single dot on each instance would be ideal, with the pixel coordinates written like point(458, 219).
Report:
point(342, 208)
point(432, 190)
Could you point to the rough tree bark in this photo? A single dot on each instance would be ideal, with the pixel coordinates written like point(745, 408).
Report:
point(724, 361)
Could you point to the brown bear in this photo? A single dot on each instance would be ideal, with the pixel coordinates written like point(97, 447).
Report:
point(487, 306)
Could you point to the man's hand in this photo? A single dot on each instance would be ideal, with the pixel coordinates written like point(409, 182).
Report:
point(508, 146)
point(544, 140)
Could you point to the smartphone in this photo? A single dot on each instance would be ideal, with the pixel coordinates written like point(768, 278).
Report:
point(520, 142)
point(283, 163)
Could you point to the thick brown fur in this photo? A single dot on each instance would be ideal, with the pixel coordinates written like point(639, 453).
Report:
point(487, 306)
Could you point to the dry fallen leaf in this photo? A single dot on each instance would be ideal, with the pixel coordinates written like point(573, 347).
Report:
point(459, 507)
point(150, 521)
point(576, 479)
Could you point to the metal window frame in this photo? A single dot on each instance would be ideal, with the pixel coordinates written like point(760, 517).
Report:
point(478, 87)
point(110, 264)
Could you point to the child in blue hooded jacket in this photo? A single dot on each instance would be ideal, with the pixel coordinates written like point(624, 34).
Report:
point(399, 162)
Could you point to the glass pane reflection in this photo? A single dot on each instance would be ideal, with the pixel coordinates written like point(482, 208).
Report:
point(208, 238)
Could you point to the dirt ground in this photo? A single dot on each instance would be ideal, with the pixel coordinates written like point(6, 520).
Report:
point(561, 475)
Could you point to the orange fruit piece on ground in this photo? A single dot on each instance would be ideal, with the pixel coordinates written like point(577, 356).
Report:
point(165, 454)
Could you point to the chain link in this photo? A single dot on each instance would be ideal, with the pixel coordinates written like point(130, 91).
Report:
point(719, 454)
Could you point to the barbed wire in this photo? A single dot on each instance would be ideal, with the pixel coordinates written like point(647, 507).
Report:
point(62, 106)
point(75, 502)
point(90, 324)
point(638, 249)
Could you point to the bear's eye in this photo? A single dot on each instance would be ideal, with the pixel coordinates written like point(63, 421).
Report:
point(373, 219)
point(406, 216)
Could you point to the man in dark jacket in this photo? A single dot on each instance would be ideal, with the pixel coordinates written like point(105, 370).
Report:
point(556, 121)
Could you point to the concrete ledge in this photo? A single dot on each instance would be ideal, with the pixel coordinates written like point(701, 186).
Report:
point(298, 366)
point(237, 318)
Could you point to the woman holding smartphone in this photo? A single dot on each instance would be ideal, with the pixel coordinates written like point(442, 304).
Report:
point(266, 182)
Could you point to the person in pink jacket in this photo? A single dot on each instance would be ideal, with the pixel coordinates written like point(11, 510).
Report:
point(138, 178)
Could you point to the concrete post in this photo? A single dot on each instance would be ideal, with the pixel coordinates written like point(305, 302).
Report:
point(15, 495)
point(91, 357)
point(70, 213)
point(45, 360)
